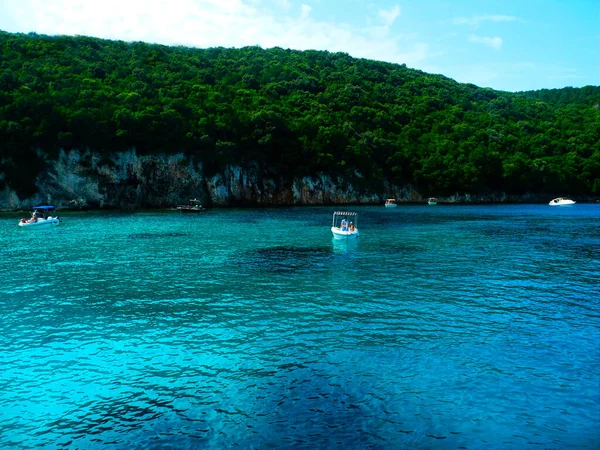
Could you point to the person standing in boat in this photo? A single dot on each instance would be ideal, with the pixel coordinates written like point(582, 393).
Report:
point(351, 228)
point(344, 224)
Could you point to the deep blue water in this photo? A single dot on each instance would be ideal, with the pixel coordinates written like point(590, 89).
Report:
point(441, 327)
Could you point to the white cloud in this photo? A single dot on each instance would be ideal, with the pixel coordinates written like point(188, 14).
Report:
point(209, 23)
point(388, 17)
point(494, 42)
point(476, 20)
point(305, 11)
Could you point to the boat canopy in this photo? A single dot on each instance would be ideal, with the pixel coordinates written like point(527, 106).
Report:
point(344, 214)
point(45, 208)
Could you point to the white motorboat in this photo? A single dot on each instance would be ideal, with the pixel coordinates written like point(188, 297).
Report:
point(40, 219)
point(195, 206)
point(432, 201)
point(390, 203)
point(560, 201)
point(344, 228)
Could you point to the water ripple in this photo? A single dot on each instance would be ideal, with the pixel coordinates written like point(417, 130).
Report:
point(439, 328)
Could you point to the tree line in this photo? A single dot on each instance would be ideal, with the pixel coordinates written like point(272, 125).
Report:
point(290, 113)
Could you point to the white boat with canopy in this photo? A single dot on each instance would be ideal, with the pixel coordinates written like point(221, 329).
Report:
point(432, 201)
point(40, 218)
point(560, 201)
point(345, 225)
point(390, 203)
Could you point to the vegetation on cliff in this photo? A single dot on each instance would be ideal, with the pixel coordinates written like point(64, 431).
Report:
point(290, 113)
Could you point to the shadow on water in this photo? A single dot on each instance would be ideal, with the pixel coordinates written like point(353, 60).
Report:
point(125, 413)
point(302, 404)
point(283, 259)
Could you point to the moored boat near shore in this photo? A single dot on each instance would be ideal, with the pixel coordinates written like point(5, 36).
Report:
point(39, 218)
point(195, 206)
point(560, 201)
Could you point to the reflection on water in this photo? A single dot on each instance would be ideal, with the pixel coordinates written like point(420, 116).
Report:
point(342, 246)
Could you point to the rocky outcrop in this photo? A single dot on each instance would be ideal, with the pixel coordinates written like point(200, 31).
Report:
point(83, 179)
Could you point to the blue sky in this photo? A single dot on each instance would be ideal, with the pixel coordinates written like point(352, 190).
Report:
point(511, 45)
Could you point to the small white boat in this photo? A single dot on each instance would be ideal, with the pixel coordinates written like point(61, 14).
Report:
point(39, 218)
point(344, 228)
point(432, 201)
point(390, 203)
point(195, 206)
point(560, 201)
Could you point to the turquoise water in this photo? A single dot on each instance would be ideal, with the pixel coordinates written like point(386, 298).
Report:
point(441, 327)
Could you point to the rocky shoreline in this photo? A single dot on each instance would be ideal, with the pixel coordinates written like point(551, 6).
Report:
point(86, 181)
point(452, 201)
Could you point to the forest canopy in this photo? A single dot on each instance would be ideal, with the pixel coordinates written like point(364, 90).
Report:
point(291, 113)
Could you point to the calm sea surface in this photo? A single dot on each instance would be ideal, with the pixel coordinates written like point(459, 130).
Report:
point(441, 327)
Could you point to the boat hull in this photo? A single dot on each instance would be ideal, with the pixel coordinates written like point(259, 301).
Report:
point(341, 235)
point(561, 202)
point(391, 206)
point(191, 210)
point(41, 223)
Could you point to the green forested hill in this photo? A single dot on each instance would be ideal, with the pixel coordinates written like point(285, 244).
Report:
point(588, 95)
point(291, 113)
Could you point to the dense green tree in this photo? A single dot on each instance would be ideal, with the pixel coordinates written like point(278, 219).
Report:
point(291, 114)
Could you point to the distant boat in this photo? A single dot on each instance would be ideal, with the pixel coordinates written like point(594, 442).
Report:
point(342, 228)
point(195, 206)
point(390, 203)
point(39, 218)
point(560, 201)
point(432, 201)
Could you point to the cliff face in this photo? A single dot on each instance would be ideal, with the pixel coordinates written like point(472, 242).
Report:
point(127, 180)
point(86, 180)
